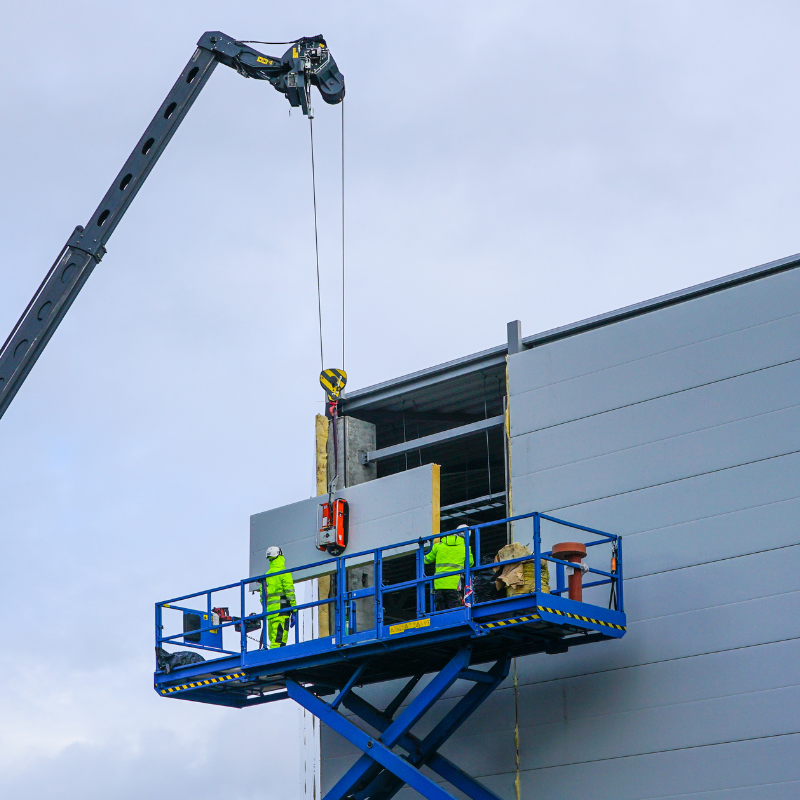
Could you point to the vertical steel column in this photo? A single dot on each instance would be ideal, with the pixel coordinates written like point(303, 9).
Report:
point(537, 552)
point(620, 602)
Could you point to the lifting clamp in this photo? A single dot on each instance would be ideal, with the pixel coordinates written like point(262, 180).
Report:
point(333, 516)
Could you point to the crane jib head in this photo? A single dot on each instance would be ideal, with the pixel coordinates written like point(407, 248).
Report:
point(306, 63)
point(311, 61)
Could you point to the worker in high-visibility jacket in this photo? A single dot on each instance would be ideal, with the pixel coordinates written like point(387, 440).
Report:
point(449, 554)
point(280, 594)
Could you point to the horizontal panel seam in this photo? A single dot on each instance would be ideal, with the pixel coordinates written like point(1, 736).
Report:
point(510, 772)
point(715, 698)
point(712, 561)
point(675, 480)
point(665, 750)
point(724, 789)
point(657, 661)
point(713, 516)
point(664, 352)
point(522, 682)
point(706, 608)
point(664, 439)
point(649, 399)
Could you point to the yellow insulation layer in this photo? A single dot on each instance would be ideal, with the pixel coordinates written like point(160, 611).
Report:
point(322, 454)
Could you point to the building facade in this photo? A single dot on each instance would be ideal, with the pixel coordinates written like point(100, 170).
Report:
point(675, 423)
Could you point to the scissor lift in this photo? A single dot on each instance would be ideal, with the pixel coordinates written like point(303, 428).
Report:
point(450, 644)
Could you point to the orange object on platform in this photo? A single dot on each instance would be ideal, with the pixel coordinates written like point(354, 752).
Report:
point(572, 552)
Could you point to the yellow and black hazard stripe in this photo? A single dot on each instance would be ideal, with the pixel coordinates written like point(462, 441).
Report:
point(500, 623)
point(583, 619)
point(198, 684)
point(333, 381)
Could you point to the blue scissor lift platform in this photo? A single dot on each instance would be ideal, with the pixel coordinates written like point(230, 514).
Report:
point(447, 644)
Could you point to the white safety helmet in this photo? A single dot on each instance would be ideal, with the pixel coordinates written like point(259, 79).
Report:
point(461, 527)
point(273, 552)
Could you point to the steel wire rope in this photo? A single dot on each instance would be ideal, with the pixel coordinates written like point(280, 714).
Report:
point(255, 41)
point(316, 241)
point(343, 272)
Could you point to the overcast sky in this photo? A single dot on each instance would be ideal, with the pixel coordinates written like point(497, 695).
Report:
point(545, 161)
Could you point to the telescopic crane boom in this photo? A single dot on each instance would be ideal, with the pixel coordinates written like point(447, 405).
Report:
point(305, 64)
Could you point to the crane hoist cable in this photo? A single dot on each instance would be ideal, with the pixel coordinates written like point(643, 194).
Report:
point(332, 380)
point(316, 241)
point(343, 273)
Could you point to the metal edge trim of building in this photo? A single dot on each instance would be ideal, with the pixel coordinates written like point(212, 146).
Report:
point(495, 356)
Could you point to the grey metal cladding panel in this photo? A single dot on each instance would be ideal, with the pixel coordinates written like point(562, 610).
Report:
point(765, 791)
point(680, 681)
point(671, 328)
point(732, 580)
point(397, 493)
point(733, 444)
point(602, 706)
point(718, 720)
point(775, 712)
point(374, 533)
point(391, 509)
point(717, 403)
point(677, 773)
point(616, 693)
point(691, 633)
point(748, 716)
point(694, 365)
point(754, 529)
point(723, 492)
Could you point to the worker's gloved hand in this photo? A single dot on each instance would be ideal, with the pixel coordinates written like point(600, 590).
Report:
point(293, 620)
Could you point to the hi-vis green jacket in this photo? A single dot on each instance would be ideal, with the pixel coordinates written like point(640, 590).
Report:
point(278, 586)
point(449, 554)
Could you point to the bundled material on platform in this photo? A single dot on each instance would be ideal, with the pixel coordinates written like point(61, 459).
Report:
point(169, 661)
point(520, 578)
point(483, 583)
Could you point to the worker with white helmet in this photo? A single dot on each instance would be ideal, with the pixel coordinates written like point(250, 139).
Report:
point(449, 554)
point(279, 594)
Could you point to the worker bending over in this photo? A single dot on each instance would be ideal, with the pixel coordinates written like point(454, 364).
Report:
point(279, 594)
point(449, 554)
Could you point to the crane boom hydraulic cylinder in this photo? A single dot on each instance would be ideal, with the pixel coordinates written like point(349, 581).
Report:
point(305, 64)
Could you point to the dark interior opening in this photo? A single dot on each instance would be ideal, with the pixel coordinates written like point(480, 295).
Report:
point(473, 468)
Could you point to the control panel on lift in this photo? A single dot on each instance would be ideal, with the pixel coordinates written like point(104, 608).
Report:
point(332, 519)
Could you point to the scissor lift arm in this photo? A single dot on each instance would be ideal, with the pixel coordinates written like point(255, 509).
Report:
point(306, 63)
